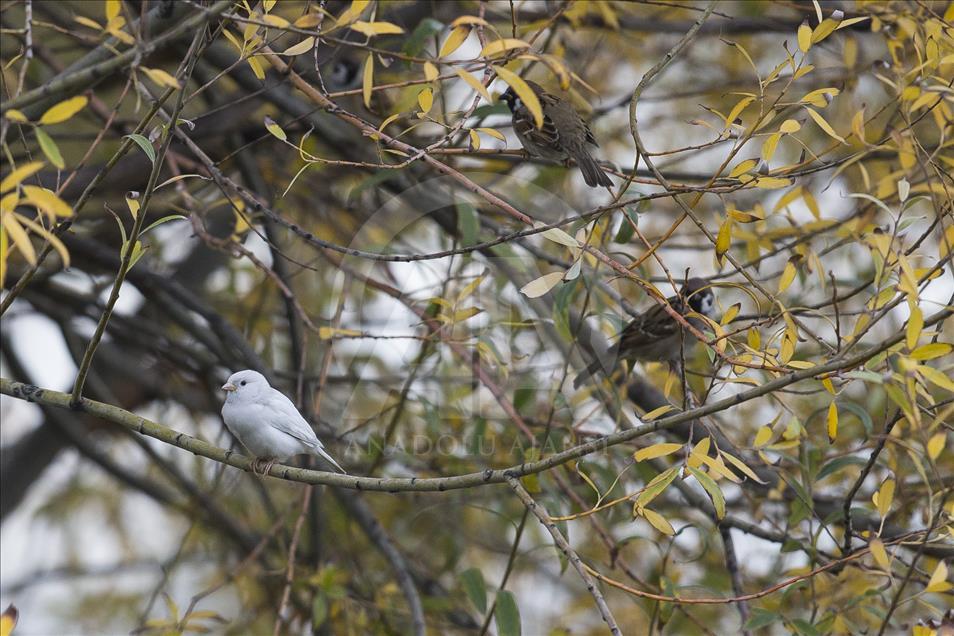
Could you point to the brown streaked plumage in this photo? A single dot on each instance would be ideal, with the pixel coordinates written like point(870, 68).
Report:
point(654, 335)
point(564, 135)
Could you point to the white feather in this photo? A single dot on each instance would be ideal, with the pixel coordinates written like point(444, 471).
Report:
point(266, 422)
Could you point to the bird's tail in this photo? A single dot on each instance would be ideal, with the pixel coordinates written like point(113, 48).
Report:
point(592, 173)
point(321, 451)
point(587, 373)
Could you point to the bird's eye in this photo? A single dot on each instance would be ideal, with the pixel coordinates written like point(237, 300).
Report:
point(243, 383)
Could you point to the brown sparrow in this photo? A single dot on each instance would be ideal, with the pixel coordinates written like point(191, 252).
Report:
point(654, 335)
point(564, 135)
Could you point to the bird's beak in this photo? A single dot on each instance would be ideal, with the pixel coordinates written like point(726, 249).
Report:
point(228, 386)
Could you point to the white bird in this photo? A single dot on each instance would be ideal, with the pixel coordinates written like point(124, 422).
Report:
point(266, 422)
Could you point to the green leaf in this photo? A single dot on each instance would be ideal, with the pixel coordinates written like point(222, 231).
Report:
point(804, 628)
point(421, 36)
point(319, 610)
point(475, 588)
point(49, 148)
point(715, 493)
point(143, 143)
point(839, 463)
point(861, 413)
point(761, 618)
point(626, 226)
point(467, 223)
point(507, 616)
point(165, 219)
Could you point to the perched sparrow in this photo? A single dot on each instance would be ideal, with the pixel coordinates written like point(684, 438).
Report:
point(563, 136)
point(266, 422)
point(654, 335)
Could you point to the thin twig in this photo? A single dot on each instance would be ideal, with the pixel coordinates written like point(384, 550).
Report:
point(564, 546)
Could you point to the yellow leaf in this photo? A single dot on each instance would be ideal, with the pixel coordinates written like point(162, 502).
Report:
point(738, 463)
point(655, 413)
point(880, 554)
point(272, 126)
point(8, 620)
point(823, 30)
point(474, 139)
point(9, 202)
point(14, 179)
point(14, 115)
point(161, 77)
point(884, 497)
point(64, 110)
point(256, 65)
point(931, 351)
point(112, 9)
point(824, 125)
point(133, 203)
point(788, 198)
point(327, 333)
point(19, 237)
point(474, 83)
point(826, 382)
point(376, 28)
point(742, 167)
point(656, 450)
point(804, 37)
point(820, 97)
point(524, 92)
point(906, 154)
point(858, 125)
point(93, 24)
point(503, 45)
point(309, 20)
point(938, 582)
point(275, 21)
point(768, 148)
point(425, 100)
point(430, 72)
point(368, 80)
point(730, 313)
point(115, 28)
point(812, 204)
point(56, 243)
point(724, 239)
point(933, 375)
point(351, 14)
point(658, 521)
point(772, 183)
point(832, 423)
point(539, 286)
point(454, 40)
point(790, 126)
point(936, 444)
point(496, 134)
point(914, 328)
point(788, 274)
point(737, 110)
point(46, 201)
point(469, 20)
point(302, 47)
point(801, 364)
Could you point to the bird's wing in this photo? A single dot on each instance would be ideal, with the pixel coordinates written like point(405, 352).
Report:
point(281, 414)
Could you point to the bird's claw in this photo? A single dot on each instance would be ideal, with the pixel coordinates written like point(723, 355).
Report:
point(262, 465)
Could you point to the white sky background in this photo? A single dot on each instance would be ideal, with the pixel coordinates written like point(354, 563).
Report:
point(28, 545)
